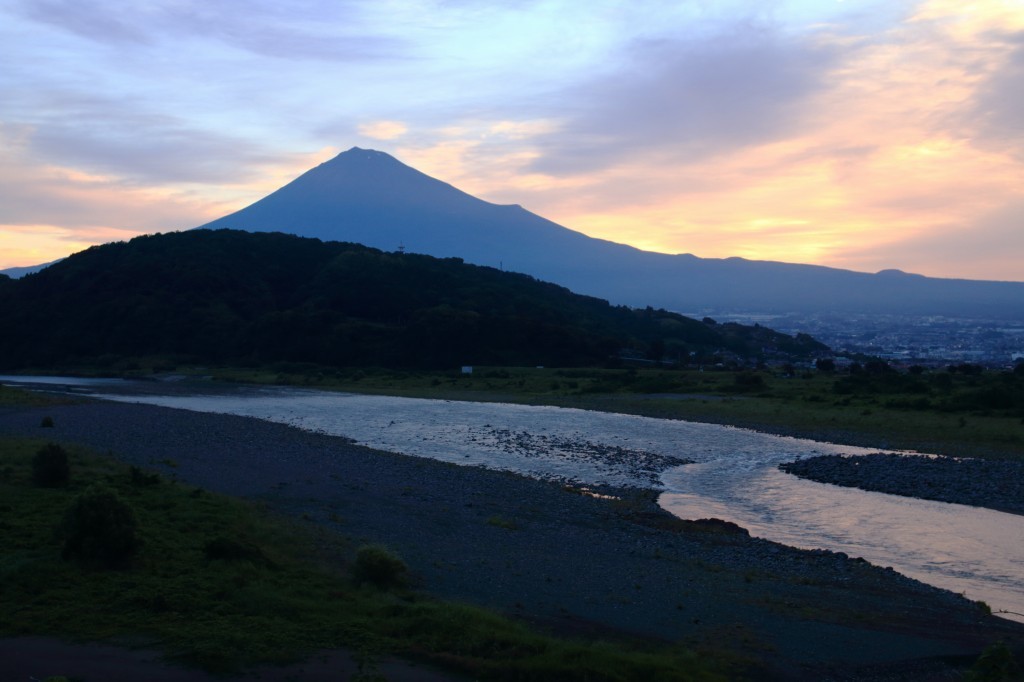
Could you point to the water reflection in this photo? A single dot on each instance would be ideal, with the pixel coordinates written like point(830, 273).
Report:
point(975, 551)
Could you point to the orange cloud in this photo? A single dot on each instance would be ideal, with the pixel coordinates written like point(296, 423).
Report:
point(48, 212)
point(383, 130)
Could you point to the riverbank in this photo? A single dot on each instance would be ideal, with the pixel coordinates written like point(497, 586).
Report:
point(562, 560)
point(937, 412)
point(993, 484)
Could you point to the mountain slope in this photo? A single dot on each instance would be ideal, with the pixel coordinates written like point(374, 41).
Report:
point(371, 198)
point(232, 297)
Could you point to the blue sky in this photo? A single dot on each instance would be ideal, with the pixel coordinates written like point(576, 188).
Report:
point(865, 135)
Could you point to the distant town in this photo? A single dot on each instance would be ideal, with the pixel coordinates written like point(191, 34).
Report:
point(902, 340)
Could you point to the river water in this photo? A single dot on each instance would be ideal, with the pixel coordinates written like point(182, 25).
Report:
point(733, 474)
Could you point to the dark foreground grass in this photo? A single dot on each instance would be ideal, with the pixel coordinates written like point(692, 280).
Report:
point(220, 584)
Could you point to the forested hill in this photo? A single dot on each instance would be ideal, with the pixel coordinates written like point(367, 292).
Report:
point(231, 297)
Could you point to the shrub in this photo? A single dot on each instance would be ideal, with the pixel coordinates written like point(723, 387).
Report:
point(50, 467)
point(100, 528)
point(996, 664)
point(502, 522)
point(825, 365)
point(747, 381)
point(139, 478)
point(229, 549)
point(378, 566)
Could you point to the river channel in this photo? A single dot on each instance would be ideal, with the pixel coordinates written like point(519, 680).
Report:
point(733, 474)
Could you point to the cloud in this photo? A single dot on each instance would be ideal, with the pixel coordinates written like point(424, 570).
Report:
point(689, 98)
point(302, 29)
point(295, 30)
point(990, 248)
point(383, 130)
point(86, 19)
point(37, 194)
point(999, 105)
point(48, 210)
point(178, 90)
point(125, 136)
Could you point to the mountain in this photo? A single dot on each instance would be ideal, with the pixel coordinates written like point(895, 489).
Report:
point(15, 273)
point(371, 198)
point(236, 298)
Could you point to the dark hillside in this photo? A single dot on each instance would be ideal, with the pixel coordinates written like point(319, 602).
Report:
point(231, 297)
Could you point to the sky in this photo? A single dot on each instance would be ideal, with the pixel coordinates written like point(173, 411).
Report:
point(855, 134)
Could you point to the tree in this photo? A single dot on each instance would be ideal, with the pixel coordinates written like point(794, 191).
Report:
point(100, 528)
point(825, 365)
point(50, 467)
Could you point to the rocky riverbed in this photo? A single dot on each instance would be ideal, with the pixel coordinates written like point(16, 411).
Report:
point(556, 556)
point(995, 484)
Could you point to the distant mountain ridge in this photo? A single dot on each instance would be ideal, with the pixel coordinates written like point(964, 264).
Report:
point(15, 273)
point(371, 198)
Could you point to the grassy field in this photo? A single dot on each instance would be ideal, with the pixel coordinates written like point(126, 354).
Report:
point(938, 411)
point(220, 584)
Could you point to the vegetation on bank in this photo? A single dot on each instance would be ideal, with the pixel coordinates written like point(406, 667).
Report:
point(119, 554)
point(959, 410)
point(14, 397)
point(962, 410)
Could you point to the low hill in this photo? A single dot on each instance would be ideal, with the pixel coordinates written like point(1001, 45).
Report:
point(232, 297)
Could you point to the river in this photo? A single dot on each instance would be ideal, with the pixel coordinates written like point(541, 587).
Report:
point(734, 474)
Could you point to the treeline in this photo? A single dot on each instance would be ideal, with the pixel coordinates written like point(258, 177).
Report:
point(956, 388)
point(231, 297)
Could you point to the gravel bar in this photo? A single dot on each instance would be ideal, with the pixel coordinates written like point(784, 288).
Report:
point(995, 484)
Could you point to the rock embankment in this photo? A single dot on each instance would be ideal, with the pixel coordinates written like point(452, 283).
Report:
point(995, 484)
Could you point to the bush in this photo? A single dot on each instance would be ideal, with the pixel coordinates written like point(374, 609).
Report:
point(50, 467)
point(996, 664)
point(139, 478)
point(378, 566)
point(747, 381)
point(825, 365)
point(100, 528)
point(229, 549)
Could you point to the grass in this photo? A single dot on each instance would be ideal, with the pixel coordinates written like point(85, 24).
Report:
point(16, 397)
point(273, 592)
point(502, 522)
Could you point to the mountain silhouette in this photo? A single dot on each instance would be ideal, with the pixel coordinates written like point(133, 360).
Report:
point(371, 198)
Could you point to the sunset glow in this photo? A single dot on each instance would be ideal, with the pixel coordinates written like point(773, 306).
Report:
point(861, 135)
